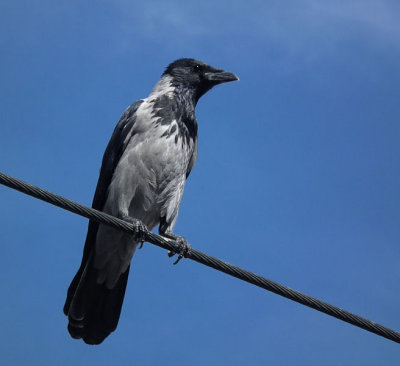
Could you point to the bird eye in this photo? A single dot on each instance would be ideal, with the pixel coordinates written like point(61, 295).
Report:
point(197, 67)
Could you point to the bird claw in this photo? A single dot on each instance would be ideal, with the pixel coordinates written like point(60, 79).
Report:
point(184, 247)
point(139, 229)
point(180, 256)
point(184, 250)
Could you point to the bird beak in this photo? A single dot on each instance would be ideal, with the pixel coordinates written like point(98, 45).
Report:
point(220, 76)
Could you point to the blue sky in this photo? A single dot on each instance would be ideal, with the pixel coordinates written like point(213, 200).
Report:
point(297, 178)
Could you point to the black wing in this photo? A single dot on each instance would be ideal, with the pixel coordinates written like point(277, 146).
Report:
point(114, 150)
point(193, 158)
point(93, 310)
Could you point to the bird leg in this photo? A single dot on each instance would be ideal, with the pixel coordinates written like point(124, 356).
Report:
point(139, 229)
point(184, 246)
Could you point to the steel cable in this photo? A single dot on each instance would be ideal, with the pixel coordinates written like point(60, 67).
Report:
point(202, 258)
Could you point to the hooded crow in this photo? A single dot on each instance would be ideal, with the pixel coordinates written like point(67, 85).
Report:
point(150, 155)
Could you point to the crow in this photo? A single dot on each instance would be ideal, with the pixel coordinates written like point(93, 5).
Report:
point(150, 155)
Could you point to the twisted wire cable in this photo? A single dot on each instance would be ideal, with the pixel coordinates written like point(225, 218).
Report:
point(202, 258)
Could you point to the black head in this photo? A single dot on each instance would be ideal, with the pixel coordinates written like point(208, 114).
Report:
point(197, 76)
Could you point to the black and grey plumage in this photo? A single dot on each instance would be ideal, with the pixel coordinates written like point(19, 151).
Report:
point(142, 177)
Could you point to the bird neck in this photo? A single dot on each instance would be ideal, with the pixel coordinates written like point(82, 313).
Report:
point(182, 94)
point(175, 103)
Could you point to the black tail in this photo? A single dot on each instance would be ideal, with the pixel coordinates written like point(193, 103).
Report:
point(93, 310)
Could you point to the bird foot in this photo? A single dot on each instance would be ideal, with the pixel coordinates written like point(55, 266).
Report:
point(184, 247)
point(139, 229)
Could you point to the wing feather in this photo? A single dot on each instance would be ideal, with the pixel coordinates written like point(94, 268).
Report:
point(115, 148)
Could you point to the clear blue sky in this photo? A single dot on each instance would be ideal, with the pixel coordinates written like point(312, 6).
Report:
point(298, 177)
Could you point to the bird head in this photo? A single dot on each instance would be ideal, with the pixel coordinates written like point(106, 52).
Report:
point(196, 77)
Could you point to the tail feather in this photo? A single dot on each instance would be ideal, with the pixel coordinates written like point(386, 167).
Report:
point(93, 310)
